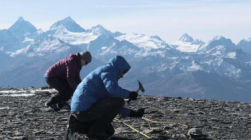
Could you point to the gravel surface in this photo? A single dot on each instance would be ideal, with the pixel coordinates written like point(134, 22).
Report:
point(26, 118)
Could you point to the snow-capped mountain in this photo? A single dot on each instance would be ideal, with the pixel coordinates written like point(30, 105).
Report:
point(219, 41)
point(100, 30)
point(187, 44)
point(106, 46)
point(69, 24)
point(189, 67)
point(144, 42)
point(21, 28)
point(186, 38)
point(18, 36)
point(74, 38)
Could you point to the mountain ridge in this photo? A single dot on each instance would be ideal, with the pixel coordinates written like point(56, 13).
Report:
point(154, 62)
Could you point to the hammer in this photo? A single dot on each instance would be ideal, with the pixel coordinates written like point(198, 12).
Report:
point(141, 88)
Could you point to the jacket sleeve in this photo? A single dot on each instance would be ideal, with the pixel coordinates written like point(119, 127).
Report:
point(70, 74)
point(111, 85)
point(125, 112)
point(78, 79)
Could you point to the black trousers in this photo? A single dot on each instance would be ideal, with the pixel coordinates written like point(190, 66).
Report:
point(64, 90)
point(99, 117)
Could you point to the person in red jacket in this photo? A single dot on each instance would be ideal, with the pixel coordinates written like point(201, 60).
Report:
point(64, 76)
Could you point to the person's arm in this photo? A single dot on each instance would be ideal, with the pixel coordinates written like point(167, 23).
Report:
point(78, 79)
point(70, 73)
point(111, 85)
point(125, 112)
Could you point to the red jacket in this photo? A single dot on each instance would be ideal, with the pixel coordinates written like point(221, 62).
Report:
point(67, 68)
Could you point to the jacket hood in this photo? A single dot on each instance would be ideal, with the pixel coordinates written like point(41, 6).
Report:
point(120, 64)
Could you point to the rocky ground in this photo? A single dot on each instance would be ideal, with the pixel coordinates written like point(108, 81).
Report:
point(26, 118)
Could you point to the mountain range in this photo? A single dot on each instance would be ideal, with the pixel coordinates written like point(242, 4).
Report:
point(218, 69)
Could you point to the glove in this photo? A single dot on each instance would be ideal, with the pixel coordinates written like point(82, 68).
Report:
point(133, 95)
point(137, 114)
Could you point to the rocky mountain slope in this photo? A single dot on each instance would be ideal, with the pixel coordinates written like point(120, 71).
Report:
point(24, 117)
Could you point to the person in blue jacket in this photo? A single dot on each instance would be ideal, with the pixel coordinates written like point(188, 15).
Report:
point(98, 99)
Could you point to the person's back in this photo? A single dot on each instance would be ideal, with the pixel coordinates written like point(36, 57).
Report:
point(98, 99)
point(97, 85)
point(61, 68)
point(64, 76)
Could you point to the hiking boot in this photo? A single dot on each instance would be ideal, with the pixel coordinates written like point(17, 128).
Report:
point(52, 106)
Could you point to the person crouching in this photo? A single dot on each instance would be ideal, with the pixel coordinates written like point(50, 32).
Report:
point(98, 99)
point(64, 76)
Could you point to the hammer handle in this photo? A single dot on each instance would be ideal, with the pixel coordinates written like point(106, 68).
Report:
point(138, 90)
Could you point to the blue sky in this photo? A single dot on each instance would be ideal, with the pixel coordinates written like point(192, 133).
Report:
point(169, 19)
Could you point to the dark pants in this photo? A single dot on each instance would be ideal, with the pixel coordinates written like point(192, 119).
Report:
point(64, 90)
point(99, 117)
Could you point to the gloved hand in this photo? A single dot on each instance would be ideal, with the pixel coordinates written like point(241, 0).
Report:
point(133, 95)
point(137, 114)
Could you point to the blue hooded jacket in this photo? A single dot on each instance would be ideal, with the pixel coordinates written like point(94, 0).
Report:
point(101, 83)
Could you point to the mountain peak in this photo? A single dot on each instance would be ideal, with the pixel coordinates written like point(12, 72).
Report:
point(245, 44)
point(20, 19)
point(21, 27)
point(219, 38)
point(69, 24)
point(156, 37)
point(186, 38)
point(100, 30)
point(99, 27)
point(68, 19)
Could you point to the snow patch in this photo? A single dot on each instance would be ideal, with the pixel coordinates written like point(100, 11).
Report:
point(235, 73)
point(2, 108)
point(19, 95)
point(75, 38)
point(143, 42)
point(231, 55)
point(218, 50)
point(20, 51)
point(26, 39)
point(185, 47)
point(194, 67)
point(207, 62)
point(24, 93)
